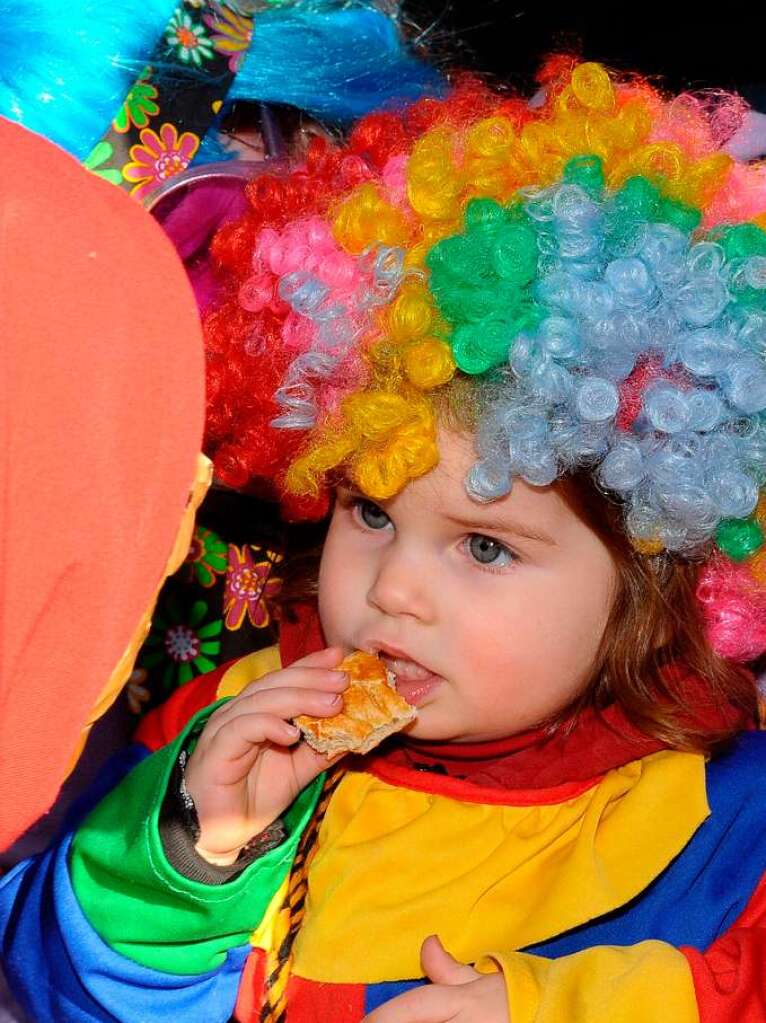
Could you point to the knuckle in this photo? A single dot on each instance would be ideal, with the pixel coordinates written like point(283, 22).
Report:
point(216, 717)
point(258, 683)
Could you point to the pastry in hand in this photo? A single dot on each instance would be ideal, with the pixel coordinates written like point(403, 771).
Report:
point(372, 710)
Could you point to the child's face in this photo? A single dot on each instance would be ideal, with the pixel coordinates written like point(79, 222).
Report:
point(490, 615)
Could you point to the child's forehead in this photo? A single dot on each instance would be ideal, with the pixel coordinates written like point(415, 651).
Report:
point(442, 491)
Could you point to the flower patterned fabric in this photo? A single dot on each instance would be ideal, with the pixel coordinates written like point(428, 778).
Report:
point(158, 129)
point(220, 605)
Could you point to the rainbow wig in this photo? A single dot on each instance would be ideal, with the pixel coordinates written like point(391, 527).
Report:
point(589, 276)
point(66, 67)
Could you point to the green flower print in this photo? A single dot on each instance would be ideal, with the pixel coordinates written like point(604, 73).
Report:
point(189, 40)
point(101, 152)
point(183, 641)
point(138, 108)
point(207, 556)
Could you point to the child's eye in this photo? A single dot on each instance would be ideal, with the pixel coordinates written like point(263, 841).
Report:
point(489, 552)
point(370, 514)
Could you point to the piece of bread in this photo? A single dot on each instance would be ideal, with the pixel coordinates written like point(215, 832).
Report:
point(372, 710)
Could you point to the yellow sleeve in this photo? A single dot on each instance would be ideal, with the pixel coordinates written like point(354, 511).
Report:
point(640, 983)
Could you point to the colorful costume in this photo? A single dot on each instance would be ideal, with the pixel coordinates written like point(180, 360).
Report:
point(591, 274)
point(623, 910)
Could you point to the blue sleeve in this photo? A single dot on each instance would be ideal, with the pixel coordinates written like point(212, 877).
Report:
point(60, 970)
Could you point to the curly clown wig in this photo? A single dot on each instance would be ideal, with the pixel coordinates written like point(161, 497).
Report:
point(587, 276)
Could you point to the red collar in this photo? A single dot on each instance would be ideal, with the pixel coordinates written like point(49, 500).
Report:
point(536, 759)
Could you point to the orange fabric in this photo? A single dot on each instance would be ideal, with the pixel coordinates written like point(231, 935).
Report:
point(101, 416)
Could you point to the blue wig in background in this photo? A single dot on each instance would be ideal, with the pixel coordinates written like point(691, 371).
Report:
point(337, 64)
point(65, 67)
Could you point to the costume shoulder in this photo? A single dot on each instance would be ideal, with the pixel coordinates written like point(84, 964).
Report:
point(736, 776)
point(165, 723)
point(715, 876)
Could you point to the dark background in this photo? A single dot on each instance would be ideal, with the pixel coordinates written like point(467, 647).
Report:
point(687, 46)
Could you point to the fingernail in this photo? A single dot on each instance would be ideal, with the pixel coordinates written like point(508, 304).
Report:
point(292, 730)
point(331, 698)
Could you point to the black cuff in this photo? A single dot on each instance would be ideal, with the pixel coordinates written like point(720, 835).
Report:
point(179, 832)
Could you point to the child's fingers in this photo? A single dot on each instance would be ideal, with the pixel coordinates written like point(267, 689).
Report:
point(429, 1004)
point(308, 764)
point(324, 660)
point(255, 729)
point(223, 734)
point(442, 968)
point(265, 698)
point(327, 658)
point(291, 701)
point(223, 760)
point(305, 675)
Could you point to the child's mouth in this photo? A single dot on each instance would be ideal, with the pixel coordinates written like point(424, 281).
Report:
point(413, 682)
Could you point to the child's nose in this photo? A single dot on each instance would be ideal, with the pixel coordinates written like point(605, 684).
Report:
point(402, 586)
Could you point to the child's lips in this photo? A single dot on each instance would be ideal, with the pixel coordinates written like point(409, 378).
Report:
point(413, 681)
point(415, 693)
point(404, 668)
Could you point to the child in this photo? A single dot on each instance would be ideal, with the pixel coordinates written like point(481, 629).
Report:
point(523, 351)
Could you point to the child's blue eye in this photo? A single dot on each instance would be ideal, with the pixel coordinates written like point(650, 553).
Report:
point(487, 551)
point(371, 515)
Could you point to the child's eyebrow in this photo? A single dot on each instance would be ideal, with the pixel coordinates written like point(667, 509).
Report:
point(502, 526)
point(506, 526)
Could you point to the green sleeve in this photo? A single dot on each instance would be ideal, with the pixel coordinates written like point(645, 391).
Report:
point(140, 905)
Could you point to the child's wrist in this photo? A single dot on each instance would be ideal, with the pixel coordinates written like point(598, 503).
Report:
point(221, 859)
point(263, 841)
point(180, 812)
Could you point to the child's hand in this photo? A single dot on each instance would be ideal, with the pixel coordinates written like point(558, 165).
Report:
point(243, 772)
point(456, 994)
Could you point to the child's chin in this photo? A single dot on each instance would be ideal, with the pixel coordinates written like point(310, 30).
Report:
point(430, 726)
point(417, 729)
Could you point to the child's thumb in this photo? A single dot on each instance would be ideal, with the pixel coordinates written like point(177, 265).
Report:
point(308, 764)
point(440, 967)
